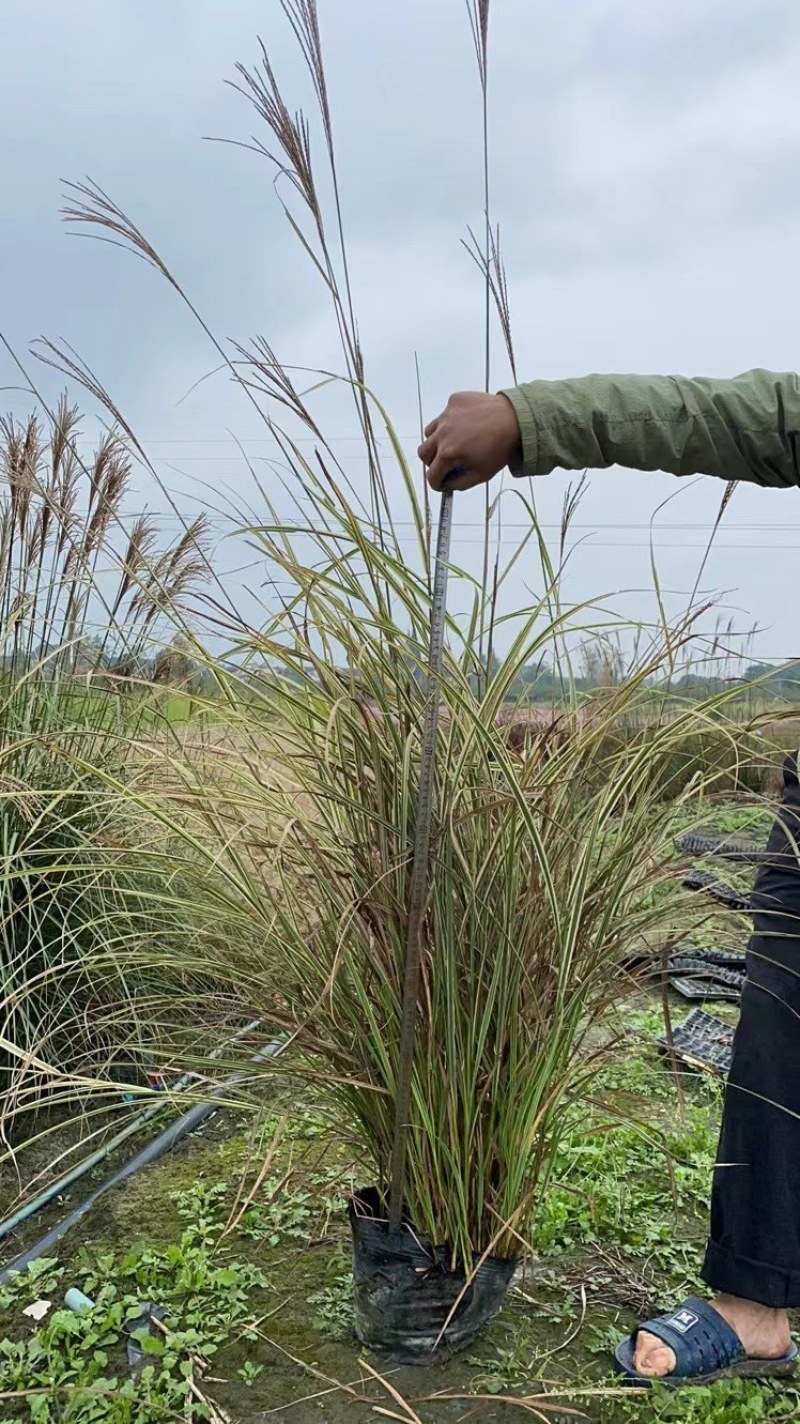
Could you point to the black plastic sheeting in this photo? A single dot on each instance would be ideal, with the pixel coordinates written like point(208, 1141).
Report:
point(159, 1147)
point(406, 1292)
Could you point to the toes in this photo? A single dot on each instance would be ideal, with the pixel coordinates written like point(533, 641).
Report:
point(657, 1364)
point(653, 1358)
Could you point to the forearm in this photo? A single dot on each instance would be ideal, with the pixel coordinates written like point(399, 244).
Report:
point(747, 428)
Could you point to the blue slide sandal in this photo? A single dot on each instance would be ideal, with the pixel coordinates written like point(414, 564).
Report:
point(706, 1349)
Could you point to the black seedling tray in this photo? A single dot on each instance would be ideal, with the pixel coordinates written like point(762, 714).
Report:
point(708, 958)
point(683, 964)
point(718, 889)
point(698, 990)
point(739, 852)
point(701, 1041)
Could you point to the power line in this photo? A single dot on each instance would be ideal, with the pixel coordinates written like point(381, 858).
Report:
point(702, 527)
point(411, 537)
point(721, 548)
point(255, 439)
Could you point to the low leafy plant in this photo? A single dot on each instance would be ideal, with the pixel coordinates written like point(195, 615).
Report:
point(333, 1303)
point(727, 1402)
point(638, 1187)
point(250, 1372)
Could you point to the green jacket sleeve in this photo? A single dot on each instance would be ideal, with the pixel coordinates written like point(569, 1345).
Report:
point(747, 428)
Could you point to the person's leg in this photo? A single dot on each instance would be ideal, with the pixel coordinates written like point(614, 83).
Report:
point(753, 1254)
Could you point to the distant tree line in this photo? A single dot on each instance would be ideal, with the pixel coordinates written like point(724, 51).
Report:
point(597, 665)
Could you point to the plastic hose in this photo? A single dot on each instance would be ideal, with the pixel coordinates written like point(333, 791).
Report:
point(81, 1168)
point(160, 1145)
point(87, 1163)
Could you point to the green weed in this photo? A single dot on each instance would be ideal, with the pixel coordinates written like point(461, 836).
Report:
point(250, 1372)
point(73, 1367)
point(727, 1402)
point(333, 1304)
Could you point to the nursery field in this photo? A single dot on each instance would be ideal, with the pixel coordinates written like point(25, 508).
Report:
point(240, 1236)
point(266, 1300)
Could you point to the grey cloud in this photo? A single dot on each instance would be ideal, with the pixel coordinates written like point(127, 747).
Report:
point(659, 56)
point(643, 161)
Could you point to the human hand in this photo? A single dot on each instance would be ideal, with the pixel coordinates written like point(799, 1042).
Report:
point(476, 435)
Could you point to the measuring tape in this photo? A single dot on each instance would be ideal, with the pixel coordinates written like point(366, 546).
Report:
point(418, 892)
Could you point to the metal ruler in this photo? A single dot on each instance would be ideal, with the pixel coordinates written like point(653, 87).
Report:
point(418, 893)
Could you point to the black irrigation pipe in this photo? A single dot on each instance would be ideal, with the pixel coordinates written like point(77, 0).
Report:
point(74, 1174)
point(30, 1208)
point(166, 1140)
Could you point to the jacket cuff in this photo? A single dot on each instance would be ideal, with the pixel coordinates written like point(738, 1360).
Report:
point(526, 464)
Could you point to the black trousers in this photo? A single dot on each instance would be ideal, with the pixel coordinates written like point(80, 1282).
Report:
point(754, 1245)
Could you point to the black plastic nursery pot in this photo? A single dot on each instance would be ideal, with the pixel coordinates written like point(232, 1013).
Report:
point(409, 1303)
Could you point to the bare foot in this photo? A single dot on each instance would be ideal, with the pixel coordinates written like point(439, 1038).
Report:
point(764, 1333)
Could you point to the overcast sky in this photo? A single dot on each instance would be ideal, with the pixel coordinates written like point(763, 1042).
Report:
point(645, 177)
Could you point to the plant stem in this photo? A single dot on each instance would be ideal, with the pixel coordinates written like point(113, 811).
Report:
point(418, 897)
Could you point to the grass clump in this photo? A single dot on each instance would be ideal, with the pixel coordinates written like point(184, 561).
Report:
point(83, 603)
point(547, 876)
